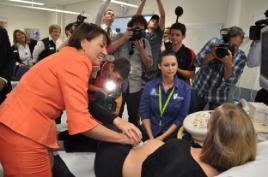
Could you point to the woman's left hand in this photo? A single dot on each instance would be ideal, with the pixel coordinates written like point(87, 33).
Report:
point(128, 129)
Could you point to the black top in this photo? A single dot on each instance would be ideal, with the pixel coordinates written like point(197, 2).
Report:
point(16, 52)
point(50, 48)
point(173, 159)
point(185, 57)
point(7, 63)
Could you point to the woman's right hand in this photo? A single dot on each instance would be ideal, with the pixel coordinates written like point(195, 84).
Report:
point(129, 129)
point(129, 140)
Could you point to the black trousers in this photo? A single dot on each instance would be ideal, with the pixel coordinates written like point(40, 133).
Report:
point(133, 103)
point(110, 159)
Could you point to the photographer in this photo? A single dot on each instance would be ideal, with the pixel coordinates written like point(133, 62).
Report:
point(106, 89)
point(154, 33)
point(133, 46)
point(217, 73)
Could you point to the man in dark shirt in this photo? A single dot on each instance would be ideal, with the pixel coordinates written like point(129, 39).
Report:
point(185, 56)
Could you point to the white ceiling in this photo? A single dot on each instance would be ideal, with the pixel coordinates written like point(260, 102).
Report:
point(51, 3)
point(48, 3)
point(54, 3)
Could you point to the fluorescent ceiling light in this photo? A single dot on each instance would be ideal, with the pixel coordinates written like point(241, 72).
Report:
point(124, 3)
point(28, 2)
point(41, 8)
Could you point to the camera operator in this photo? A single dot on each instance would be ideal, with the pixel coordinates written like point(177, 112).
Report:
point(220, 68)
point(133, 46)
point(154, 33)
point(106, 89)
point(254, 55)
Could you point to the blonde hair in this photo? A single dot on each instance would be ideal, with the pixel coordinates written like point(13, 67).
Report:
point(27, 39)
point(231, 138)
point(54, 27)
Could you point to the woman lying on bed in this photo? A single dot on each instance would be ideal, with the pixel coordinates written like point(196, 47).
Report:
point(230, 142)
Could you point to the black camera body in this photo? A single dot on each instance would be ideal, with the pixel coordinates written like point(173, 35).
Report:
point(168, 45)
point(255, 30)
point(137, 34)
point(79, 20)
point(223, 48)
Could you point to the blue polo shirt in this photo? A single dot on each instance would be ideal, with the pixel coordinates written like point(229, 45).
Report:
point(176, 110)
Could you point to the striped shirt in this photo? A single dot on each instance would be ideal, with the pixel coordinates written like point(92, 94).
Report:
point(209, 82)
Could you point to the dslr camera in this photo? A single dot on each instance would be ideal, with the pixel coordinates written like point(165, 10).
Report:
point(137, 34)
point(255, 30)
point(223, 48)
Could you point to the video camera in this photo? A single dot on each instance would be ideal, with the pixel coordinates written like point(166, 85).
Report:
point(79, 20)
point(223, 48)
point(137, 34)
point(255, 30)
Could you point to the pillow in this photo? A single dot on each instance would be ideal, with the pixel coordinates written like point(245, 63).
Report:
point(257, 168)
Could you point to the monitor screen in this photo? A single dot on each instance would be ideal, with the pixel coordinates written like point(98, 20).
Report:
point(264, 58)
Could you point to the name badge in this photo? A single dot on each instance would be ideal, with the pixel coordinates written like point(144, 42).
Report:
point(15, 51)
point(153, 92)
point(51, 48)
point(177, 97)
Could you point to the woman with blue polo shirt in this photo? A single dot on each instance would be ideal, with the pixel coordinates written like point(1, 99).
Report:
point(165, 101)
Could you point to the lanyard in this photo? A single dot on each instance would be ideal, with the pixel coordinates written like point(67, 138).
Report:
point(161, 108)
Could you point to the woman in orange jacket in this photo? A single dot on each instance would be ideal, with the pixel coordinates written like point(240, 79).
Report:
point(60, 82)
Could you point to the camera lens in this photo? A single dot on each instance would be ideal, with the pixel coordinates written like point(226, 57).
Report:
point(221, 52)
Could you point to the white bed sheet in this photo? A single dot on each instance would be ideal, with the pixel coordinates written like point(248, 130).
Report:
point(81, 164)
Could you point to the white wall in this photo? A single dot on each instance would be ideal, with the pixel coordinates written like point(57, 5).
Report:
point(251, 11)
point(195, 11)
point(24, 18)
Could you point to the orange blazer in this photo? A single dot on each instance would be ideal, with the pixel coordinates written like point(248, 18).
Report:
point(60, 82)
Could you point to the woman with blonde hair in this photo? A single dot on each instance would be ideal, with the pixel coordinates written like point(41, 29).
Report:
point(231, 141)
point(22, 50)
